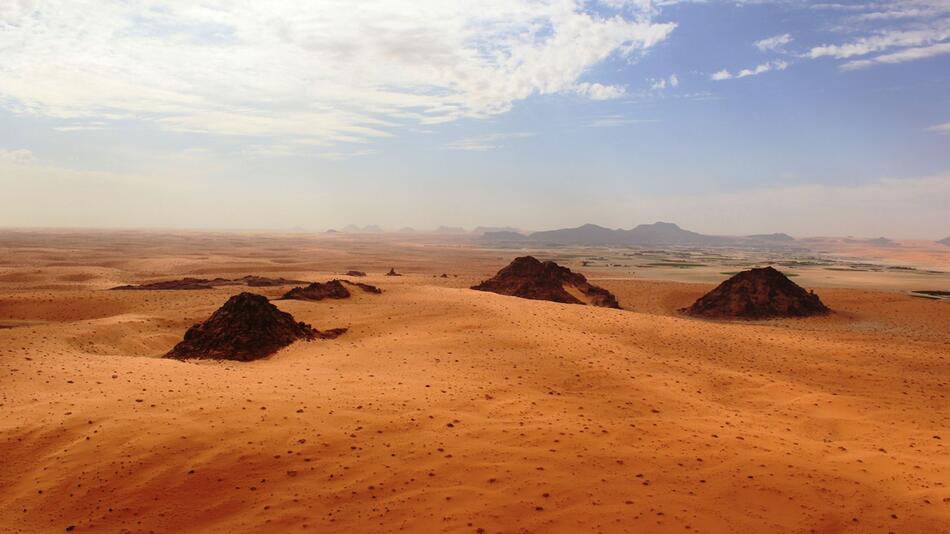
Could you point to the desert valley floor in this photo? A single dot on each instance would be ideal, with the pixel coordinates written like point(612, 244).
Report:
point(447, 409)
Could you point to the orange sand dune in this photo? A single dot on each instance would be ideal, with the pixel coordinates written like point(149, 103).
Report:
point(446, 409)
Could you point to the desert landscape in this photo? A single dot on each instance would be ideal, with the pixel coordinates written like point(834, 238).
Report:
point(445, 409)
point(475, 266)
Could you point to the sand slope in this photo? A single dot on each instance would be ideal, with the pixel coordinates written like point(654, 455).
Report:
point(446, 409)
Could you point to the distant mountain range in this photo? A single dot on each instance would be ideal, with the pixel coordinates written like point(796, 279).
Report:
point(644, 234)
point(660, 233)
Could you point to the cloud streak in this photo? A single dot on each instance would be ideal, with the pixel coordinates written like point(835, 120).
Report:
point(777, 64)
point(940, 128)
point(882, 41)
point(773, 43)
point(907, 54)
point(896, 32)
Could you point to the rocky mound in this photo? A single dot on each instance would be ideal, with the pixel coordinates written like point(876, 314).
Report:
point(204, 283)
point(184, 283)
point(528, 278)
point(247, 327)
point(334, 289)
point(392, 272)
point(355, 273)
point(365, 287)
point(263, 281)
point(758, 294)
point(316, 291)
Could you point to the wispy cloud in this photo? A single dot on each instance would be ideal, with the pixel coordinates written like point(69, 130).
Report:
point(317, 72)
point(610, 121)
point(773, 43)
point(882, 41)
point(596, 91)
point(940, 128)
point(895, 31)
point(663, 83)
point(907, 54)
point(485, 142)
point(777, 64)
point(905, 9)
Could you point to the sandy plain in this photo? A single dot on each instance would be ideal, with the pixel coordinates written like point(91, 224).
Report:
point(446, 409)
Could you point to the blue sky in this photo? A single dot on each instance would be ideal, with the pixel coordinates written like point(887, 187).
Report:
point(812, 118)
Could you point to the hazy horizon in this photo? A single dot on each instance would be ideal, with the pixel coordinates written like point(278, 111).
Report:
point(439, 230)
point(728, 118)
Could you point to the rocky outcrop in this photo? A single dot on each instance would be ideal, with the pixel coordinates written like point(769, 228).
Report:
point(247, 327)
point(529, 278)
point(333, 289)
point(204, 283)
point(365, 287)
point(758, 294)
point(182, 284)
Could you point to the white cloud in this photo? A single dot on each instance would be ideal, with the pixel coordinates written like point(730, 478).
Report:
point(663, 83)
point(940, 128)
point(485, 142)
point(907, 54)
point(896, 32)
point(778, 64)
point(596, 91)
point(632, 4)
point(883, 41)
point(315, 72)
point(17, 156)
point(773, 43)
point(905, 9)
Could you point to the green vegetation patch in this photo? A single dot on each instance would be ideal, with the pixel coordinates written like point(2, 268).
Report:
point(678, 264)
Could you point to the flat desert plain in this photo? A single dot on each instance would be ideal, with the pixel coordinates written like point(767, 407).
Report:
point(444, 409)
